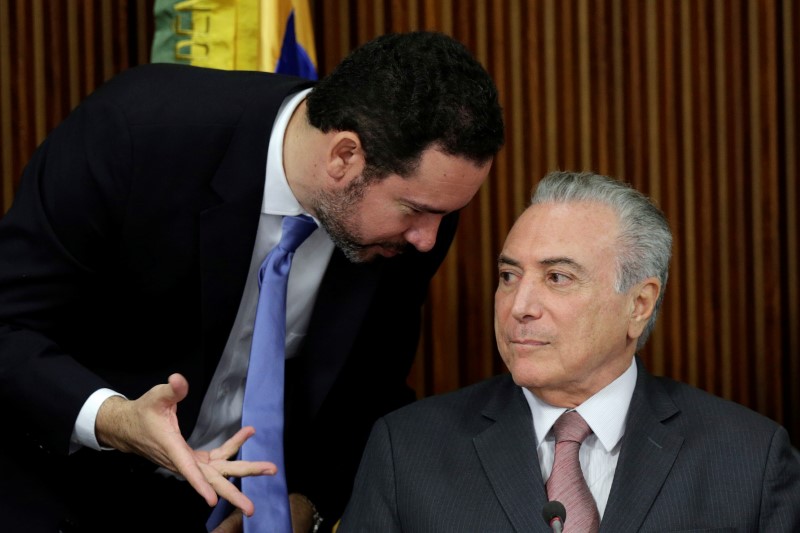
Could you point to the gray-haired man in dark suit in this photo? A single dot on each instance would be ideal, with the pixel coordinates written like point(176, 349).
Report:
point(581, 279)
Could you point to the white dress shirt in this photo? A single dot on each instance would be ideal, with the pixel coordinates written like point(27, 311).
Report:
point(605, 412)
point(221, 411)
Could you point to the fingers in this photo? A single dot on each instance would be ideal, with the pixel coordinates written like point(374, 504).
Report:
point(218, 458)
point(218, 472)
point(231, 446)
point(218, 475)
point(185, 464)
point(216, 468)
point(227, 490)
point(245, 468)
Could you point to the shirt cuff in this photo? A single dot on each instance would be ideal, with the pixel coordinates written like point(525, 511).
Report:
point(83, 433)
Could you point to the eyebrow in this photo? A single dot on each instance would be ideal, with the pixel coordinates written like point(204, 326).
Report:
point(426, 208)
point(505, 260)
point(564, 261)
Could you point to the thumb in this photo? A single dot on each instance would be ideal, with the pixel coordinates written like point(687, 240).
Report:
point(178, 387)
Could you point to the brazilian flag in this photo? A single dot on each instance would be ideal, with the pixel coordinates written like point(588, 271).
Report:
point(266, 35)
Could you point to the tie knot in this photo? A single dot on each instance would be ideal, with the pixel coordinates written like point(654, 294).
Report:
point(295, 231)
point(572, 427)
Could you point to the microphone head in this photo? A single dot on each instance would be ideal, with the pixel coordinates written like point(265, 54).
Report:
point(554, 509)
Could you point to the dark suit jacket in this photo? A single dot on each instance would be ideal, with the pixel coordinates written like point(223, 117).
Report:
point(466, 461)
point(123, 259)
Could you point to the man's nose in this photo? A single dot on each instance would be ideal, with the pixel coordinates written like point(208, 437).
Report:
point(527, 304)
point(422, 235)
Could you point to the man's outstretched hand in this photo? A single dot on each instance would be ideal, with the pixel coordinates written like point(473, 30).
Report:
point(148, 426)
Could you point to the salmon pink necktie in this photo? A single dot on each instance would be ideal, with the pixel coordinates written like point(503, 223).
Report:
point(566, 483)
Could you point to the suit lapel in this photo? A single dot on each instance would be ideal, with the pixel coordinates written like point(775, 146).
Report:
point(507, 452)
point(648, 452)
point(229, 220)
point(226, 245)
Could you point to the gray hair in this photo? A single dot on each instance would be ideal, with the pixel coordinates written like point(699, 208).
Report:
point(645, 239)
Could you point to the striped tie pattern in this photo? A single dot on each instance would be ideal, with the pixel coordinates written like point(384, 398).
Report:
point(566, 483)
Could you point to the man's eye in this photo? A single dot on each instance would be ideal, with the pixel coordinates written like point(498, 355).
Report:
point(557, 277)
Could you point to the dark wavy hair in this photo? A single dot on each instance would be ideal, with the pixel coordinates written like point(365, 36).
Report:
point(405, 92)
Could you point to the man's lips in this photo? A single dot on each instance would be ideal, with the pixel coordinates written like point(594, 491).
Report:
point(528, 342)
point(388, 252)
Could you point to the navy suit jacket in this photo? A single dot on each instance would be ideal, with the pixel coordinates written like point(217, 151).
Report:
point(467, 462)
point(123, 259)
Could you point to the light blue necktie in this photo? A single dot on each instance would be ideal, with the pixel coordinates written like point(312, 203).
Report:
point(263, 395)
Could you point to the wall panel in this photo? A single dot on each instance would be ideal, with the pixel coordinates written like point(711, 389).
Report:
point(694, 102)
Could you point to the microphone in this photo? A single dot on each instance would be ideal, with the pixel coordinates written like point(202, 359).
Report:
point(555, 515)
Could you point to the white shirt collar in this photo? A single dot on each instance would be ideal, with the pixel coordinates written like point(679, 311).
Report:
point(605, 412)
point(278, 196)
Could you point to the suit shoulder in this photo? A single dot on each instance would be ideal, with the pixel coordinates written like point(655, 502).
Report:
point(164, 91)
point(711, 411)
point(452, 405)
point(194, 76)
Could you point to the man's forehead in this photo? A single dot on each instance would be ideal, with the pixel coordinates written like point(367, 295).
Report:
point(565, 233)
point(442, 183)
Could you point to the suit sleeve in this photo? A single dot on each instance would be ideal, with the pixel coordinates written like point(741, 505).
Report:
point(373, 506)
point(780, 500)
point(52, 241)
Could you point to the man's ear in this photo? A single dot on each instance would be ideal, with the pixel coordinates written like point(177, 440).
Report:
point(643, 304)
point(345, 157)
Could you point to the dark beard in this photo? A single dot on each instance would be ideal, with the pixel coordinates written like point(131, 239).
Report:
point(333, 209)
